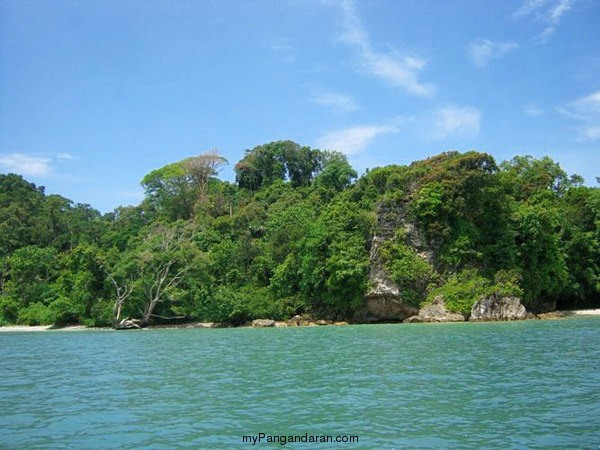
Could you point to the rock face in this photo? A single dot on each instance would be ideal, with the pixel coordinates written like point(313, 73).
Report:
point(381, 308)
point(498, 308)
point(383, 301)
point(436, 311)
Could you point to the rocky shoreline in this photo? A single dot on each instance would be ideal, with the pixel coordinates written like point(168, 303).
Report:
point(433, 313)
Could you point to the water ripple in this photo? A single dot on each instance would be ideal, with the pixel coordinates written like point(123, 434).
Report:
point(523, 384)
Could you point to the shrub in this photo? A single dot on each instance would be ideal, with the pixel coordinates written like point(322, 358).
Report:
point(36, 314)
point(462, 290)
point(406, 268)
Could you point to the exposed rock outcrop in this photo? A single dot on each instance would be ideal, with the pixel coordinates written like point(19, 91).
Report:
point(380, 308)
point(208, 325)
point(498, 308)
point(384, 301)
point(262, 323)
point(554, 315)
point(300, 320)
point(436, 311)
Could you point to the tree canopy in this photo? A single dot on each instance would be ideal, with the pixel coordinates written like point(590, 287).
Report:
point(293, 235)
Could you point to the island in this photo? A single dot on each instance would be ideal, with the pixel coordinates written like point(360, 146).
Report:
point(300, 239)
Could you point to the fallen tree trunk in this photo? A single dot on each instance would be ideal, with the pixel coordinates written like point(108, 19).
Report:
point(129, 324)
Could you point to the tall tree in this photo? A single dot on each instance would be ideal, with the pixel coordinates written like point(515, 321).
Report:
point(202, 168)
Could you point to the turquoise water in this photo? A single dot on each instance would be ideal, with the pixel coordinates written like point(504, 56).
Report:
point(521, 384)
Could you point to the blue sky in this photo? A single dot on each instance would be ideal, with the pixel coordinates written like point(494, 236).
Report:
point(94, 95)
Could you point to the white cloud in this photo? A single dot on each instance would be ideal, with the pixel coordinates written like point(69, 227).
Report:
point(591, 132)
point(336, 102)
point(399, 71)
point(533, 110)
point(549, 12)
point(65, 156)
point(455, 121)
point(28, 165)
point(482, 51)
point(586, 111)
point(354, 140)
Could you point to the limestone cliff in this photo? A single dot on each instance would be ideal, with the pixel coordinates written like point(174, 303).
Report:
point(383, 300)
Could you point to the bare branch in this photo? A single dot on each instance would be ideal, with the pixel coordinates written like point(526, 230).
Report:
point(122, 293)
point(202, 168)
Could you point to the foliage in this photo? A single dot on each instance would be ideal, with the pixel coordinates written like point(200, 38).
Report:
point(463, 289)
point(293, 235)
point(411, 272)
point(337, 173)
point(274, 161)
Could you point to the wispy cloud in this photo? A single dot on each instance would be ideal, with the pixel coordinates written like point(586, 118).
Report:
point(548, 12)
point(65, 156)
point(533, 110)
point(336, 102)
point(586, 111)
point(482, 51)
point(455, 121)
point(399, 71)
point(33, 164)
point(28, 165)
point(354, 140)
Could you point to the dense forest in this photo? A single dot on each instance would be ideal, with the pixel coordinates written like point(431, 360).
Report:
point(293, 234)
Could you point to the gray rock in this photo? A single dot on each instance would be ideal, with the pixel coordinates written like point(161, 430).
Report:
point(553, 315)
point(299, 320)
point(381, 285)
point(262, 323)
point(384, 300)
point(413, 319)
point(383, 307)
point(498, 308)
point(435, 311)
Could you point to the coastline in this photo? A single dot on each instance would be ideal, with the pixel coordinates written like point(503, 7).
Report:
point(585, 312)
point(37, 328)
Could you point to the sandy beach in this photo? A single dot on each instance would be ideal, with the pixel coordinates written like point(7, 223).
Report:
point(585, 312)
point(29, 328)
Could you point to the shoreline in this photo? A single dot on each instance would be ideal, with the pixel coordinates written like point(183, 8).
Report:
point(194, 325)
point(584, 312)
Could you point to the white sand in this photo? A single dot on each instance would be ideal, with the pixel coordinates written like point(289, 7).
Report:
point(42, 328)
point(586, 312)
